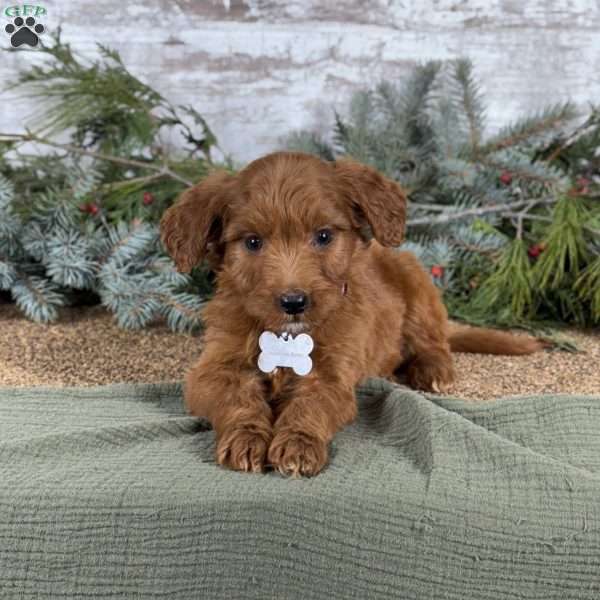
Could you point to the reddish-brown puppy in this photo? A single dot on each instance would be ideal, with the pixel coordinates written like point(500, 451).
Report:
point(290, 239)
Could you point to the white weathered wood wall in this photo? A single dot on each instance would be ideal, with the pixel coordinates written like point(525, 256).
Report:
point(260, 68)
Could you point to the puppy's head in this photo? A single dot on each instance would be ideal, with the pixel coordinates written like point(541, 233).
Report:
point(285, 232)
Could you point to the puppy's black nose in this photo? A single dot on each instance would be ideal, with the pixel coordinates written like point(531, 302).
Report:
point(293, 303)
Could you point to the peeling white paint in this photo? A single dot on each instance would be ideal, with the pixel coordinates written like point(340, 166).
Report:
point(260, 68)
point(137, 10)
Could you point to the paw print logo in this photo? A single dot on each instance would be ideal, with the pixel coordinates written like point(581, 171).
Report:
point(24, 32)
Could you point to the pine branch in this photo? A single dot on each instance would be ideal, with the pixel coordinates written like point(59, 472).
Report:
point(471, 101)
point(52, 244)
point(7, 192)
point(69, 262)
point(414, 98)
point(588, 287)
point(480, 240)
point(31, 137)
point(547, 121)
point(311, 143)
point(456, 173)
point(476, 212)
point(205, 142)
point(124, 242)
point(100, 101)
point(182, 311)
point(37, 297)
point(427, 206)
point(589, 127)
point(530, 217)
point(8, 273)
point(566, 247)
point(520, 166)
point(508, 291)
point(474, 248)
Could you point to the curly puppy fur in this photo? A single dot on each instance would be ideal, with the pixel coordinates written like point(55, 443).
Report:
point(371, 310)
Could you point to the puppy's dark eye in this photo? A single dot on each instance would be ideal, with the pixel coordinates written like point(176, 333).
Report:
point(323, 237)
point(253, 243)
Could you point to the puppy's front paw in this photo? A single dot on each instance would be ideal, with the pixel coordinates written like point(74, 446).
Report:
point(431, 374)
point(296, 454)
point(243, 449)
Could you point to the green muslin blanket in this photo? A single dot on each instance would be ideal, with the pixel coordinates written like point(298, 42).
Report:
point(113, 492)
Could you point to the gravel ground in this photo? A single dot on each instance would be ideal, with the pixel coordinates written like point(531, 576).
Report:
point(85, 347)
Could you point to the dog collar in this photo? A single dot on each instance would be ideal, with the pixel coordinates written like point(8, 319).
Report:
point(285, 351)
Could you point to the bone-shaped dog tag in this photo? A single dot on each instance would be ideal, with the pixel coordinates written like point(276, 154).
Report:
point(285, 352)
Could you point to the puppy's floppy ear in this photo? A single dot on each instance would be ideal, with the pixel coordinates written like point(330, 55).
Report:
point(192, 226)
point(381, 201)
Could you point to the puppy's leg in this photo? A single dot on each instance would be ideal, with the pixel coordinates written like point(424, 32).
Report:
point(431, 370)
point(423, 322)
point(233, 399)
point(425, 330)
point(430, 366)
point(308, 421)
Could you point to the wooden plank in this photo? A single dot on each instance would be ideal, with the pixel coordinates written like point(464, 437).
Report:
point(259, 69)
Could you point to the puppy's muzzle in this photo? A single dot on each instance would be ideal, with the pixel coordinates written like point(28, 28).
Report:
point(293, 302)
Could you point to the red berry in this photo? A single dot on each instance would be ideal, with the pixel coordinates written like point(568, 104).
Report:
point(437, 271)
point(582, 186)
point(93, 209)
point(534, 251)
point(506, 177)
point(148, 199)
